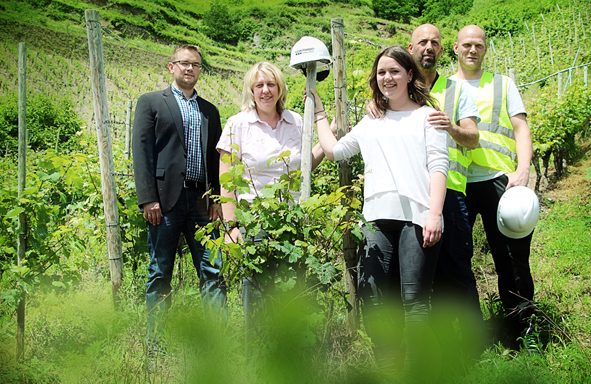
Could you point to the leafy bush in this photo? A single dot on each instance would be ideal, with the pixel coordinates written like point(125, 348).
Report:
point(397, 10)
point(307, 3)
point(557, 123)
point(300, 236)
point(436, 10)
point(220, 24)
point(51, 122)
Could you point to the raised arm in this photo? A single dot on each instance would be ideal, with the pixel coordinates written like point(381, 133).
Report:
point(317, 155)
point(326, 138)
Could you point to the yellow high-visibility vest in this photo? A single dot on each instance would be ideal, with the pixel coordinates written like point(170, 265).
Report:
point(447, 94)
point(496, 148)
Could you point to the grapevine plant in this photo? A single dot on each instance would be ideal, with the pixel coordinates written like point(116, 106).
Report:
point(557, 124)
point(303, 240)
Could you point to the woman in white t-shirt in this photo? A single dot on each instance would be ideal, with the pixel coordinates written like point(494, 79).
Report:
point(406, 163)
point(263, 129)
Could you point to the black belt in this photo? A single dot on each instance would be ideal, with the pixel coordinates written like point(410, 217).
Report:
point(192, 184)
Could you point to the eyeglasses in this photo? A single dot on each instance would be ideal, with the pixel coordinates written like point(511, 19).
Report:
point(186, 64)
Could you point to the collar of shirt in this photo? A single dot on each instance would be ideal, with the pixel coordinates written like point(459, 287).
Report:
point(434, 81)
point(253, 117)
point(181, 94)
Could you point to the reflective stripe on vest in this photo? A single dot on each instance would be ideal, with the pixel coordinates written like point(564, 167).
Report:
point(447, 92)
point(496, 146)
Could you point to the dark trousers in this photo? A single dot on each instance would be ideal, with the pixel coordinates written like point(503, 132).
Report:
point(511, 256)
point(395, 280)
point(189, 211)
point(455, 295)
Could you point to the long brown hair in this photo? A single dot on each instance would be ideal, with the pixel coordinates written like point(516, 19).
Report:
point(417, 90)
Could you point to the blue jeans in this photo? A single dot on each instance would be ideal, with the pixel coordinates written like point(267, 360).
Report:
point(395, 280)
point(189, 211)
point(253, 301)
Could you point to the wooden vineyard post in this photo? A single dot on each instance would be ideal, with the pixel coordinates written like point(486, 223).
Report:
point(345, 172)
point(307, 137)
point(22, 217)
point(128, 131)
point(101, 113)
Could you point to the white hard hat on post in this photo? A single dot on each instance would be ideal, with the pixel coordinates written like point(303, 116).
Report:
point(518, 212)
point(306, 50)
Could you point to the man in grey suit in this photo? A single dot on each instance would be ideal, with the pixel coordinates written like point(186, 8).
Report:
point(175, 162)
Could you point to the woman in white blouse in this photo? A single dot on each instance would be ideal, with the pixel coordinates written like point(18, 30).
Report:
point(263, 129)
point(406, 164)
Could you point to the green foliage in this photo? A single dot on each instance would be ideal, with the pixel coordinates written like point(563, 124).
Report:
point(397, 10)
point(556, 124)
point(297, 237)
point(436, 10)
point(54, 196)
point(62, 202)
point(497, 21)
point(225, 26)
point(51, 122)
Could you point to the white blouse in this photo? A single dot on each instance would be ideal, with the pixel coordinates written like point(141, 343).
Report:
point(258, 142)
point(401, 151)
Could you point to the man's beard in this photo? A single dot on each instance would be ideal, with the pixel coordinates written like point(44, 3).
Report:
point(428, 63)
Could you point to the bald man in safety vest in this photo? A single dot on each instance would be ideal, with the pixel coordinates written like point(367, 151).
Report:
point(504, 138)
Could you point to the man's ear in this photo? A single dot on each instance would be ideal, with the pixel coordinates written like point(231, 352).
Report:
point(410, 48)
point(455, 47)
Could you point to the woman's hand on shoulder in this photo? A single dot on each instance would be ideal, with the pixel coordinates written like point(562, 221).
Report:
point(372, 110)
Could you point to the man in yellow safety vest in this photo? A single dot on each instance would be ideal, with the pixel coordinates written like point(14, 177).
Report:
point(504, 137)
point(454, 287)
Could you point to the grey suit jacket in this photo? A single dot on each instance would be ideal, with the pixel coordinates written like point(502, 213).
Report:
point(159, 151)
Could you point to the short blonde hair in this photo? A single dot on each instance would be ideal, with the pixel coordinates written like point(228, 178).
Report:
point(188, 47)
point(270, 70)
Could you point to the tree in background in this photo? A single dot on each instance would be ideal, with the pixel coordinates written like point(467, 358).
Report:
point(435, 10)
point(398, 10)
point(220, 24)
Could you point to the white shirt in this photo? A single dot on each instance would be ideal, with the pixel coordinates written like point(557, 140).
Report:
point(466, 105)
point(515, 106)
point(258, 142)
point(401, 151)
